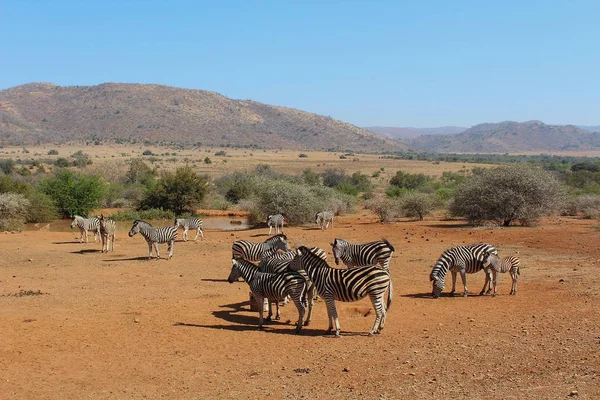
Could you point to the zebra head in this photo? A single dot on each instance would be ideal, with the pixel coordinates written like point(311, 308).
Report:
point(135, 228)
point(438, 285)
point(74, 221)
point(486, 258)
point(336, 247)
point(280, 242)
point(269, 219)
point(235, 273)
point(317, 215)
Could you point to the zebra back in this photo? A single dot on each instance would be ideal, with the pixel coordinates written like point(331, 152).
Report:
point(275, 220)
point(87, 224)
point(360, 255)
point(253, 251)
point(280, 262)
point(163, 234)
point(189, 223)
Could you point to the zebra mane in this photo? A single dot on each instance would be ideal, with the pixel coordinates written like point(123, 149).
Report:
point(302, 250)
point(138, 221)
point(276, 237)
point(389, 244)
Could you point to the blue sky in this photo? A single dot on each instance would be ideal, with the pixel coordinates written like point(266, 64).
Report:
point(389, 63)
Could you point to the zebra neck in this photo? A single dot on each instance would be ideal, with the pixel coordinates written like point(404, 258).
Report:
point(248, 272)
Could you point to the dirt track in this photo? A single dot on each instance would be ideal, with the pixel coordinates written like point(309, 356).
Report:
point(115, 326)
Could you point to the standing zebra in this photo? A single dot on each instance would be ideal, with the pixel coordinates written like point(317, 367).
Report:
point(464, 259)
point(154, 236)
point(323, 219)
point(253, 251)
point(507, 264)
point(280, 263)
point(107, 233)
point(85, 225)
point(274, 287)
point(190, 224)
point(277, 221)
point(361, 255)
point(346, 285)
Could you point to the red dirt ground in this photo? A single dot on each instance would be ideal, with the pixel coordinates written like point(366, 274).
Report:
point(115, 326)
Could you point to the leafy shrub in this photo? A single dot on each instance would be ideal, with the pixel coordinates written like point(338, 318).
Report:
point(334, 176)
point(221, 153)
point(81, 159)
point(384, 208)
point(74, 193)
point(587, 206)
point(180, 191)
point(41, 207)
point(408, 181)
point(61, 162)
point(147, 153)
point(13, 211)
point(416, 205)
point(347, 188)
point(507, 194)
point(303, 155)
point(207, 160)
point(140, 172)
point(7, 166)
point(52, 152)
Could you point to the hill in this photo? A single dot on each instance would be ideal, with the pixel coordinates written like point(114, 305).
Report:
point(402, 133)
point(510, 136)
point(47, 113)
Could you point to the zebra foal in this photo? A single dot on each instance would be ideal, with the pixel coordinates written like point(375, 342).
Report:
point(86, 225)
point(461, 259)
point(190, 224)
point(274, 287)
point(346, 285)
point(107, 233)
point(154, 236)
point(507, 264)
point(361, 255)
point(277, 221)
point(323, 219)
point(253, 251)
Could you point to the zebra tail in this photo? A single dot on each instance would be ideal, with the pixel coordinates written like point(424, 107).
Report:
point(390, 293)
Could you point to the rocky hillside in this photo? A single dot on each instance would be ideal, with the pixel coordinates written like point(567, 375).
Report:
point(402, 133)
point(46, 113)
point(510, 137)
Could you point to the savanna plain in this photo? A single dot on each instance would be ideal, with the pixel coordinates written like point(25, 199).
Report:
point(78, 323)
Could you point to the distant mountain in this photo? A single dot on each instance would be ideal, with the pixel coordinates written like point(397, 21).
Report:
point(595, 128)
point(402, 133)
point(510, 136)
point(46, 113)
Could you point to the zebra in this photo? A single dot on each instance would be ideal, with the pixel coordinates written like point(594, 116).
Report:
point(274, 287)
point(361, 255)
point(464, 259)
point(107, 233)
point(346, 285)
point(253, 251)
point(85, 225)
point(154, 236)
point(280, 263)
point(190, 224)
point(323, 219)
point(277, 221)
point(507, 264)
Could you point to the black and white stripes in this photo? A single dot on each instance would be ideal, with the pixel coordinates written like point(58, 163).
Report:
point(510, 264)
point(461, 259)
point(346, 285)
point(360, 255)
point(253, 251)
point(275, 221)
point(154, 236)
point(86, 225)
point(323, 219)
point(108, 228)
point(190, 224)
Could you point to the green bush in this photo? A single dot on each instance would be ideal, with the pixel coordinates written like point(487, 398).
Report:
point(507, 194)
point(74, 193)
point(386, 209)
point(61, 162)
point(13, 211)
point(178, 191)
point(416, 205)
point(41, 208)
point(52, 152)
point(409, 181)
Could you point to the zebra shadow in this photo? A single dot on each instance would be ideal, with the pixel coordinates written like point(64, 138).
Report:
point(86, 251)
point(72, 242)
point(429, 296)
point(214, 280)
point(141, 258)
point(260, 235)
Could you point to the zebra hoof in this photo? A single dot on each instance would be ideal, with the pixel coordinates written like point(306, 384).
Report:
point(306, 323)
point(277, 318)
point(337, 334)
point(465, 294)
point(268, 318)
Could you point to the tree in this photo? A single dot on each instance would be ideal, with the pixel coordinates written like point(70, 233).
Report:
point(139, 172)
point(507, 194)
point(408, 181)
point(13, 211)
point(81, 159)
point(416, 205)
point(384, 208)
point(74, 193)
point(179, 191)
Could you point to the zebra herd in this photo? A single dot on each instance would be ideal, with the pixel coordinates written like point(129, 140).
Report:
point(105, 228)
point(301, 272)
point(277, 273)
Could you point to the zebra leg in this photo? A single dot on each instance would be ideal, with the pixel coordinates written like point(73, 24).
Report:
point(487, 283)
point(157, 252)
point(463, 277)
point(260, 302)
point(515, 279)
point(453, 283)
point(197, 233)
point(270, 309)
point(171, 243)
point(333, 316)
point(310, 299)
point(495, 275)
point(150, 250)
point(377, 301)
point(185, 234)
point(300, 305)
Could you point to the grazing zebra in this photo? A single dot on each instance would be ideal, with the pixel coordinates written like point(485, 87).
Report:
point(464, 259)
point(253, 251)
point(274, 287)
point(507, 264)
point(154, 236)
point(346, 285)
point(277, 221)
point(190, 224)
point(85, 225)
point(361, 255)
point(280, 263)
point(323, 219)
point(107, 233)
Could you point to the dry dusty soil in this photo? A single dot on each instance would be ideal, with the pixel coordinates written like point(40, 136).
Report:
point(80, 324)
